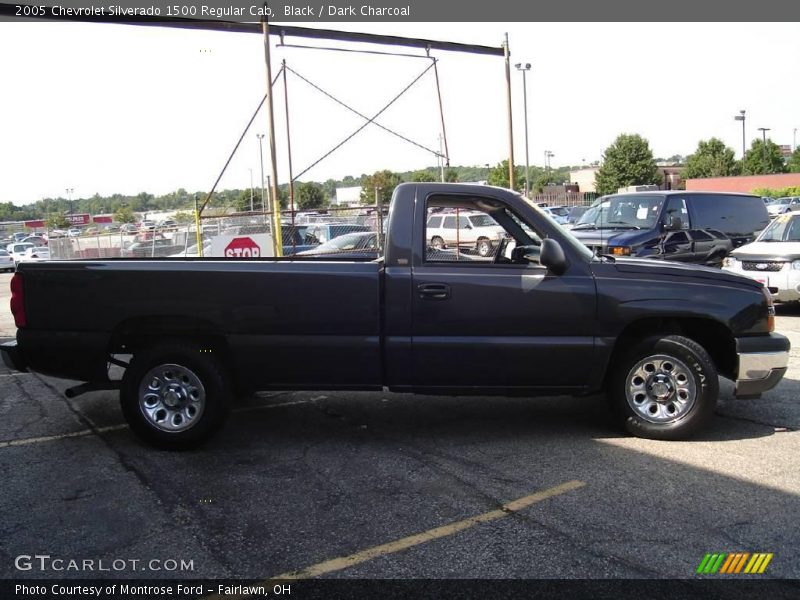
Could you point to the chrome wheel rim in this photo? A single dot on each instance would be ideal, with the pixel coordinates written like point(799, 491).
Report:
point(171, 397)
point(660, 389)
point(484, 248)
point(437, 243)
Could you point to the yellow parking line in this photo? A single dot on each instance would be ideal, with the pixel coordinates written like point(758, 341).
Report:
point(61, 436)
point(344, 562)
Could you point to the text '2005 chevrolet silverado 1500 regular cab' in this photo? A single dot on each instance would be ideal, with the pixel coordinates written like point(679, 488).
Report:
point(538, 314)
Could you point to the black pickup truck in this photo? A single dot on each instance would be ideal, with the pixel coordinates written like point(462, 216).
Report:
point(539, 314)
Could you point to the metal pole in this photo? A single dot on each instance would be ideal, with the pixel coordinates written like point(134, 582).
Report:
point(441, 158)
point(277, 238)
point(197, 234)
point(744, 143)
point(507, 54)
point(251, 189)
point(288, 141)
point(525, 105)
point(379, 208)
point(441, 110)
point(260, 137)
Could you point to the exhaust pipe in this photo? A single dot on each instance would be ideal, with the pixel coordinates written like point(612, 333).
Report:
point(78, 390)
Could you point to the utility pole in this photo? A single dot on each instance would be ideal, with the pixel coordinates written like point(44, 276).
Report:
point(764, 131)
point(440, 158)
point(507, 52)
point(260, 137)
point(251, 189)
point(741, 117)
point(525, 68)
point(277, 238)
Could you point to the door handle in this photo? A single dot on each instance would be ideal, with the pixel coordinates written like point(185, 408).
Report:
point(434, 291)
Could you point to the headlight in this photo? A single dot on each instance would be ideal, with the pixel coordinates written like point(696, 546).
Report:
point(619, 250)
point(730, 262)
point(796, 264)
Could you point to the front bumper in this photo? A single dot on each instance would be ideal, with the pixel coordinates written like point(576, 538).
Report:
point(12, 357)
point(762, 363)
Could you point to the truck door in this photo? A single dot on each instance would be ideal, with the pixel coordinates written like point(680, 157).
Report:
point(483, 323)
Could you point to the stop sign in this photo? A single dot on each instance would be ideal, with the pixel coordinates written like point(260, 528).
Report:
point(242, 247)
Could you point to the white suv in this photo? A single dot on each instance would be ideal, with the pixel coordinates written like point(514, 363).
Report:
point(475, 230)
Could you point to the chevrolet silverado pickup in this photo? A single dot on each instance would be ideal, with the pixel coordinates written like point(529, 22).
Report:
point(540, 314)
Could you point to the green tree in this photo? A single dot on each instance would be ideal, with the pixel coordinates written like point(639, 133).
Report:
point(451, 175)
point(182, 217)
point(499, 176)
point(794, 161)
point(628, 161)
point(309, 194)
point(422, 176)
point(56, 221)
point(763, 159)
point(124, 214)
point(711, 159)
point(384, 180)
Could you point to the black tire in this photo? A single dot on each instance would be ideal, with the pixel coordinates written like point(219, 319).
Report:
point(437, 243)
point(194, 373)
point(664, 388)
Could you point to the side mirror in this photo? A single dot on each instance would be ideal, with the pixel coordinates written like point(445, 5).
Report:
point(552, 256)
point(675, 224)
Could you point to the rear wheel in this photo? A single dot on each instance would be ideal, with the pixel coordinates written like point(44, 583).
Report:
point(664, 388)
point(174, 396)
point(437, 242)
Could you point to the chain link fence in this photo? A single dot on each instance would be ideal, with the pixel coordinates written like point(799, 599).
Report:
point(348, 232)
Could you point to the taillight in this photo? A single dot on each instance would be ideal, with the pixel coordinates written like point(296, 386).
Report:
point(770, 310)
point(18, 301)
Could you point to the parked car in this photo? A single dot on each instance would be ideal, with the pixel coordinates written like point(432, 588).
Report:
point(191, 251)
point(474, 230)
point(73, 232)
point(150, 248)
point(36, 240)
point(147, 225)
point(128, 228)
point(319, 233)
point(18, 236)
point(783, 205)
point(773, 259)
point(560, 214)
point(35, 254)
point(362, 244)
point(6, 261)
point(551, 318)
point(686, 226)
point(18, 249)
point(575, 213)
point(57, 233)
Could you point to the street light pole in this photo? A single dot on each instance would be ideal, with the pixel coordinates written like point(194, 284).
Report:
point(260, 137)
point(764, 131)
point(525, 68)
point(741, 117)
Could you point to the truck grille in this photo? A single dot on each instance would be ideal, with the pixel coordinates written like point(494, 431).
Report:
point(752, 265)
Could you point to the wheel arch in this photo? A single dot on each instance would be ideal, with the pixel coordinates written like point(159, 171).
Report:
point(712, 335)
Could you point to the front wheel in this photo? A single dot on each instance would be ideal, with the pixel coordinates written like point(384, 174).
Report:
point(484, 247)
point(174, 395)
point(664, 388)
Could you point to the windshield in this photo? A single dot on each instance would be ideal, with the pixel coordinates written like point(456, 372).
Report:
point(785, 228)
point(781, 201)
point(626, 211)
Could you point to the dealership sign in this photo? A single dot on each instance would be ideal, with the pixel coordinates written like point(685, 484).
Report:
point(80, 219)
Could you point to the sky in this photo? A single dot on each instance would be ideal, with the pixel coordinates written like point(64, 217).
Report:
point(122, 109)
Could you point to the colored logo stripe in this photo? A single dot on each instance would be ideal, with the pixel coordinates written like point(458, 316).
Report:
point(734, 563)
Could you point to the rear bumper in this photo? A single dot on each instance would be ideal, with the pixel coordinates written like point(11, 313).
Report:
point(12, 357)
point(762, 363)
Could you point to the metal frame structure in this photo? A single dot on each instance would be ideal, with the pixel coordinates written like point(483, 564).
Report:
point(266, 29)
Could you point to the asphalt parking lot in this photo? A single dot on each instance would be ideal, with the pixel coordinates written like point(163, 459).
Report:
point(398, 486)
